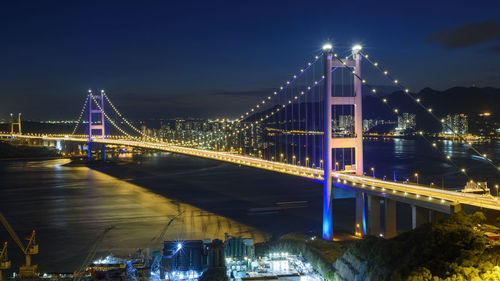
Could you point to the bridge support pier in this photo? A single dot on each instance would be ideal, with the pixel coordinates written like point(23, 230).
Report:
point(374, 215)
point(456, 208)
point(360, 228)
point(389, 218)
point(418, 216)
point(89, 150)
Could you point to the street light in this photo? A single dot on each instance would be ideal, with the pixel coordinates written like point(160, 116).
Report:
point(373, 171)
point(496, 186)
point(416, 175)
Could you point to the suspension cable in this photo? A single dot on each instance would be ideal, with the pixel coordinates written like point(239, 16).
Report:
point(429, 111)
point(396, 111)
point(109, 119)
point(278, 108)
point(81, 114)
point(125, 119)
point(266, 99)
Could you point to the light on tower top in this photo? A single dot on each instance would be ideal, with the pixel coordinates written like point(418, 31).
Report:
point(327, 47)
point(102, 91)
point(356, 48)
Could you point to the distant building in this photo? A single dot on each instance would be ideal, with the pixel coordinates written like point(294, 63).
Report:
point(216, 257)
point(238, 252)
point(455, 124)
point(484, 124)
point(346, 122)
point(239, 248)
point(406, 121)
point(368, 124)
point(183, 259)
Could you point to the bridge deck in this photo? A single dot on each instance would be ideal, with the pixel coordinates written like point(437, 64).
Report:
point(410, 191)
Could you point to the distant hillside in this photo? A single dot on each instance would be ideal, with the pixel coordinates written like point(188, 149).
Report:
point(471, 101)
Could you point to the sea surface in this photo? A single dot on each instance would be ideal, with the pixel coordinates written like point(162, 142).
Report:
point(165, 196)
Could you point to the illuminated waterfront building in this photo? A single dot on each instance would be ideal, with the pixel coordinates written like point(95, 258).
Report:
point(406, 121)
point(455, 124)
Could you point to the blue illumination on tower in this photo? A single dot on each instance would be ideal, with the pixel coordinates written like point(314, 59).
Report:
point(364, 215)
point(327, 215)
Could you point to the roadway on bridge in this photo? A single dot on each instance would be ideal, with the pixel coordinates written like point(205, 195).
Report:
point(415, 192)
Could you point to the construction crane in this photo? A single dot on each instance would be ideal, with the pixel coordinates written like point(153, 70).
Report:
point(28, 270)
point(155, 266)
point(4, 260)
point(93, 250)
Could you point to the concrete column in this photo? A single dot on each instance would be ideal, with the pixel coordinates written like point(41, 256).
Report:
point(374, 215)
point(327, 146)
point(455, 208)
point(435, 216)
point(418, 216)
point(103, 121)
point(358, 116)
point(89, 149)
point(360, 228)
point(390, 218)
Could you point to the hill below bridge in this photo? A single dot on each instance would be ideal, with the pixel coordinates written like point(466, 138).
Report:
point(456, 248)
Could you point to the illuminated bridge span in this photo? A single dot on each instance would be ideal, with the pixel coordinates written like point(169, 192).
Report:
point(284, 133)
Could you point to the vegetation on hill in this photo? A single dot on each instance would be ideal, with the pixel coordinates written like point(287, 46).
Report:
point(452, 249)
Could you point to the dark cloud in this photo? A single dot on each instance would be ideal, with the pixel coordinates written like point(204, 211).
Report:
point(495, 49)
point(468, 34)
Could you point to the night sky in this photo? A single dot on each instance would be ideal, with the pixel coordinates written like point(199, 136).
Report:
point(203, 58)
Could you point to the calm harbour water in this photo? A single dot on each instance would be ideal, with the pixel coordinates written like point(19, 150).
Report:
point(70, 206)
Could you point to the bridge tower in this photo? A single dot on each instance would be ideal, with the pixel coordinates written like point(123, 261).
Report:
point(97, 126)
point(12, 123)
point(354, 142)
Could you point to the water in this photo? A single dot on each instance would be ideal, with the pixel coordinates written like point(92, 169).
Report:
point(70, 206)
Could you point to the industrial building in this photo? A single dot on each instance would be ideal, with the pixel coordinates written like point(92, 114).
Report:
point(183, 260)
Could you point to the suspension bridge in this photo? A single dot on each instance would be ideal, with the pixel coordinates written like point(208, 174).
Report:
point(285, 133)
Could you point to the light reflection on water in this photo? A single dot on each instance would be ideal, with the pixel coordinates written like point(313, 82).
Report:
point(70, 206)
point(190, 222)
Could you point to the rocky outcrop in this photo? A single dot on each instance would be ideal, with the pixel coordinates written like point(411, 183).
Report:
point(349, 268)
